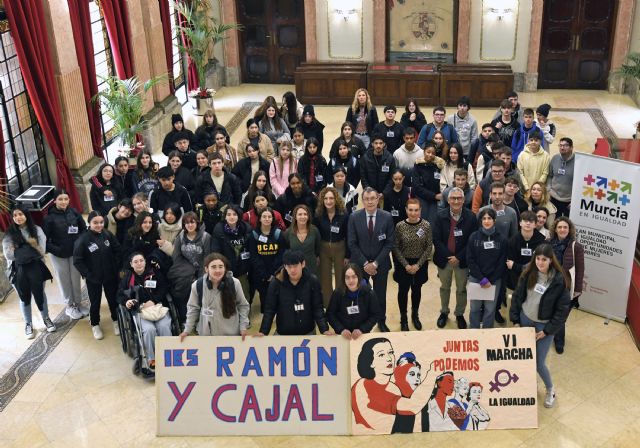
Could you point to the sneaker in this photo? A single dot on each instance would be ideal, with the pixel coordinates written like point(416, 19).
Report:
point(116, 328)
point(442, 320)
point(462, 324)
point(28, 330)
point(50, 326)
point(97, 332)
point(73, 312)
point(84, 310)
point(550, 398)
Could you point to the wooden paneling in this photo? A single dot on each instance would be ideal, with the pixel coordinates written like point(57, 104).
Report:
point(485, 84)
point(329, 82)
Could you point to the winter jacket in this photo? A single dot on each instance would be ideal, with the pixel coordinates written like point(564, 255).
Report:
point(521, 253)
point(466, 129)
point(206, 135)
point(209, 218)
point(554, 304)
point(371, 119)
point(521, 138)
point(465, 227)
point(100, 201)
point(425, 179)
point(147, 244)
point(375, 171)
point(314, 129)
point(119, 227)
point(489, 263)
point(367, 315)
point(188, 158)
point(168, 143)
point(507, 130)
point(242, 171)
point(62, 229)
point(160, 198)
point(296, 308)
point(125, 183)
point(265, 147)
point(97, 256)
point(251, 218)
point(185, 178)
point(266, 253)
point(287, 202)
point(235, 247)
point(534, 167)
point(350, 164)
point(416, 124)
point(193, 251)
point(320, 169)
point(392, 135)
point(152, 286)
point(349, 196)
point(229, 194)
point(279, 178)
point(356, 147)
point(395, 202)
point(427, 131)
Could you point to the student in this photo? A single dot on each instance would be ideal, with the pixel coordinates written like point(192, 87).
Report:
point(537, 196)
point(451, 233)
point(356, 147)
point(426, 182)
point(411, 253)
point(465, 125)
point(482, 192)
point(407, 154)
point(217, 305)
point(169, 227)
point(62, 226)
point(547, 127)
point(225, 184)
point(181, 175)
point(281, 168)
point(104, 193)
point(454, 161)
point(296, 193)
point(390, 130)
point(184, 146)
point(440, 144)
point(311, 127)
point(96, 255)
point(177, 125)
point(412, 116)
point(521, 136)
point(202, 166)
point(346, 191)
point(259, 185)
point(376, 165)
point(533, 163)
point(506, 219)
point(120, 219)
point(143, 238)
point(486, 257)
point(210, 212)
point(363, 116)
point(169, 192)
point(294, 299)
point(24, 247)
point(353, 308)
point(460, 177)
point(560, 179)
point(541, 300)
point(506, 124)
point(487, 156)
point(291, 110)
point(298, 143)
point(396, 196)
point(512, 196)
point(222, 147)
point(123, 176)
point(505, 154)
point(438, 124)
point(479, 145)
point(246, 168)
point(261, 110)
point(514, 105)
point(145, 178)
point(521, 247)
point(313, 166)
point(345, 160)
point(274, 126)
point(205, 133)
point(260, 202)
point(542, 217)
point(257, 140)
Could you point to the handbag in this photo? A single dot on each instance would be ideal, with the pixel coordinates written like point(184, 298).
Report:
point(572, 271)
point(154, 313)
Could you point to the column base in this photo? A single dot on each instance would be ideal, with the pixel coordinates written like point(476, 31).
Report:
point(232, 76)
point(616, 83)
point(528, 82)
point(81, 178)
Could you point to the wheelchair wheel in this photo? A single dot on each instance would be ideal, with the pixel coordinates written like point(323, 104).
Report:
point(176, 327)
point(127, 336)
point(135, 369)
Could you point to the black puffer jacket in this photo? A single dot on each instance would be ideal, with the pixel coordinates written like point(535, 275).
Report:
point(287, 202)
point(314, 129)
point(376, 171)
point(320, 170)
point(59, 227)
point(206, 135)
point(97, 256)
point(425, 178)
point(130, 280)
point(234, 247)
point(368, 310)
point(242, 171)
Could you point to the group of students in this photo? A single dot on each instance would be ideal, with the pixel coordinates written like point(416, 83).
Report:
point(216, 225)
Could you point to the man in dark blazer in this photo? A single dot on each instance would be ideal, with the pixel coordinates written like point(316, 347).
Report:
point(370, 238)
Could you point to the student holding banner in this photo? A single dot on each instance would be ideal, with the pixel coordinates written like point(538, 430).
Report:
point(541, 300)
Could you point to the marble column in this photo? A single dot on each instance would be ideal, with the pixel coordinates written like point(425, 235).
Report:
point(464, 31)
point(141, 60)
point(152, 26)
point(379, 30)
point(535, 34)
point(231, 45)
point(310, 37)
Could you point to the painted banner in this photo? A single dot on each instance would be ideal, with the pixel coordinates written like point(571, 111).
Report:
point(605, 208)
point(444, 380)
point(209, 386)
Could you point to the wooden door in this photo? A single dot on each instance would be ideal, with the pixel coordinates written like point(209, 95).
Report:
point(577, 37)
point(272, 43)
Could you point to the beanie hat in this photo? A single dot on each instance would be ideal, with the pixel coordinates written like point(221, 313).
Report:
point(308, 110)
point(182, 135)
point(543, 109)
point(175, 118)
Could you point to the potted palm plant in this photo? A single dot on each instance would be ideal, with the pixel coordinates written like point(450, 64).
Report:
point(631, 72)
point(200, 34)
point(123, 102)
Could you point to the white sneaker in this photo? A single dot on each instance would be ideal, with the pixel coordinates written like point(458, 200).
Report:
point(550, 398)
point(97, 332)
point(28, 331)
point(73, 312)
point(50, 326)
point(116, 328)
point(84, 310)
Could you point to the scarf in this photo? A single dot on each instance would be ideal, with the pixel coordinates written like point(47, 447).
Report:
point(229, 230)
point(559, 246)
point(488, 232)
point(312, 171)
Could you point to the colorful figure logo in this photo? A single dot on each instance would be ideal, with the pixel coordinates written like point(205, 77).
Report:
point(604, 188)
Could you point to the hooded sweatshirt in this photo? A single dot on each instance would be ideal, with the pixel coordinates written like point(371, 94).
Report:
point(534, 167)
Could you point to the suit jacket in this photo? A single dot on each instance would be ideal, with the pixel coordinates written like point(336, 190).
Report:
point(377, 247)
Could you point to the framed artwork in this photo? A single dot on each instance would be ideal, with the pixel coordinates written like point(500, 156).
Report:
point(422, 30)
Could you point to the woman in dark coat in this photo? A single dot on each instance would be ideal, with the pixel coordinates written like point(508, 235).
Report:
point(105, 193)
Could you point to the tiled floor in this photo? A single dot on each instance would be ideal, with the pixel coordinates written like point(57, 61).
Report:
point(85, 395)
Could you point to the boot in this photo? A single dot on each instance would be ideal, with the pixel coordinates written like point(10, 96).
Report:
point(404, 323)
point(416, 320)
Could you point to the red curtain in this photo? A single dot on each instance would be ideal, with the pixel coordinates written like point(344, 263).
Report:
point(193, 82)
point(83, 40)
point(116, 19)
point(165, 16)
point(26, 19)
point(5, 219)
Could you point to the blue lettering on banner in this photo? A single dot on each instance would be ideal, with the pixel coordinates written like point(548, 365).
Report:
point(328, 361)
point(252, 363)
point(278, 358)
point(175, 358)
point(304, 352)
point(224, 361)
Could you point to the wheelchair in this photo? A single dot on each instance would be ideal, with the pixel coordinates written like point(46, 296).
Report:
point(131, 335)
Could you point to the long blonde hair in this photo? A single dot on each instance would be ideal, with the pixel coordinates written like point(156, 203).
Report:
point(355, 105)
point(293, 162)
point(544, 199)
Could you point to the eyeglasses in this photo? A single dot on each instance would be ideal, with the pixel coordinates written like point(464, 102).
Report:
point(456, 198)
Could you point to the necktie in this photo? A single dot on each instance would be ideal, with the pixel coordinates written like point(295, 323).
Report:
point(370, 225)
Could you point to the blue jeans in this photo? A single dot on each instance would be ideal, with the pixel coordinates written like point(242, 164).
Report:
point(483, 311)
point(542, 349)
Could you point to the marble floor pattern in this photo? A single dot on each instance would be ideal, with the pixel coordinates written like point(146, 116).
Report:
point(84, 394)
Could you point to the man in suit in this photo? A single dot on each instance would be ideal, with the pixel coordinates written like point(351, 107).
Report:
point(370, 238)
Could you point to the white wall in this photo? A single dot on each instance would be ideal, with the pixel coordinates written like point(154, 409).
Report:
point(322, 31)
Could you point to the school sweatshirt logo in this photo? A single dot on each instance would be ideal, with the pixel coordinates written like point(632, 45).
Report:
point(605, 199)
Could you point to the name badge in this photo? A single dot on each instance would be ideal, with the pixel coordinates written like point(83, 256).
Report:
point(390, 134)
point(288, 217)
point(319, 178)
point(499, 212)
point(354, 208)
point(355, 309)
point(457, 232)
point(335, 229)
point(395, 213)
point(489, 245)
point(382, 237)
point(527, 252)
point(540, 288)
point(262, 239)
point(561, 171)
point(93, 247)
point(245, 255)
point(107, 243)
point(436, 176)
point(385, 168)
point(150, 283)
point(206, 312)
point(108, 198)
point(420, 232)
point(298, 307)
point(72, 230)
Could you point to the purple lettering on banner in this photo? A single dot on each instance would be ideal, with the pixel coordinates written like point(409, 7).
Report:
point(181, 398)
point(273, 414)
point(252, 363)
point(224, 361)
point(294, 402)
point(250, 403)
point(214, 403)
point(316, 416)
